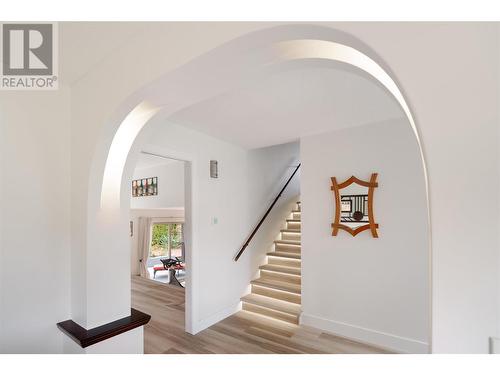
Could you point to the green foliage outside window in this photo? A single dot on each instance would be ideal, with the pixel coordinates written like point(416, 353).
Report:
point(166, 240)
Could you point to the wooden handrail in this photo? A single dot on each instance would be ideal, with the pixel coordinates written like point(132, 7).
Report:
point(84, 337)
point(265, 215)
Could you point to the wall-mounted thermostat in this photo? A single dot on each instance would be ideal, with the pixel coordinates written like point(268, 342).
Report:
point(214, 169)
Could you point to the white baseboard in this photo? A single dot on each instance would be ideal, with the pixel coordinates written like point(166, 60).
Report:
point(369, 336)
point(215, 318)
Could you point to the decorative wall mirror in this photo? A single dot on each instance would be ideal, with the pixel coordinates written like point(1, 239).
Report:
point(354, 205)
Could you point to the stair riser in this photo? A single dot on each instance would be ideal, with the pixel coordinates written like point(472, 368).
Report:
point(288, 278)
point(296, 216)
point(278, 294)
point(284, 261)
point(293, 225)
point(286, 255)
point(270, 313)
point(287, 236)
point(287, 248)
point(286, 270)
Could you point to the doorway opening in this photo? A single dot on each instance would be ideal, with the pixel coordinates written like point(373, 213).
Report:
point(157, 219)
point(167, 253)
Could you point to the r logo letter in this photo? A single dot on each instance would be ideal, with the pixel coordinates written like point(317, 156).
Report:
point(35, 42)
point(27, 49)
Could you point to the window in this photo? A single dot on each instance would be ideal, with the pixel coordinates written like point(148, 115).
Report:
point(166, 240)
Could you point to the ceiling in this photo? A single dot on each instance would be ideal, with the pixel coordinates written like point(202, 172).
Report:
point(285, 106)
point(274, 109)
point(84, 45)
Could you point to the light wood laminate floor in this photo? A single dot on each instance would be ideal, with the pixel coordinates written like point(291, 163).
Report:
point(242, 333)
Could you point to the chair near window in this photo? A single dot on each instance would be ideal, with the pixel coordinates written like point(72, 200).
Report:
point(169, 263)
point(158, 268)
point(166, 265)
point(173, 266)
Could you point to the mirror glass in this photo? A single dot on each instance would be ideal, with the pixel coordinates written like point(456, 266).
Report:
point(354, 205)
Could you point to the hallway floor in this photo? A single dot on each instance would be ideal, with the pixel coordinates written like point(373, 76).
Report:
point(242, 333)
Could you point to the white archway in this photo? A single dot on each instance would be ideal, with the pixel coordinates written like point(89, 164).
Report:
point(216, 72)
point(290, 50)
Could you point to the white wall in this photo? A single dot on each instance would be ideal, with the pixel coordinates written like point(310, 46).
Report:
point(455, 97)
point(268, 170)
point(245, 187)
point(213, 245)
point(170, 186)
point(371, 289)
point(174, 215)
point(34, 216)
point(125, 343)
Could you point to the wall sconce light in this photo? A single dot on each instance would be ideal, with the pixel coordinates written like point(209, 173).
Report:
point(214, 169)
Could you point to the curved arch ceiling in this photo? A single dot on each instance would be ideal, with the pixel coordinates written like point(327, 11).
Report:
point(283, 106)
point(228, 69)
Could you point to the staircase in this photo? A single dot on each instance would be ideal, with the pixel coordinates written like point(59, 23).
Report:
point(277, 292)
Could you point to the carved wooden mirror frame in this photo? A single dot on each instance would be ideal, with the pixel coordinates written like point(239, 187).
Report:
point(336, 187)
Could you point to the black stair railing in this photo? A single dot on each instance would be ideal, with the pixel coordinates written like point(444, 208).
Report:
point(256, 229)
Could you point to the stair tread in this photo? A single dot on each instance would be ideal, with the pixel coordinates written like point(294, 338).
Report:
point(282, 269)
point(293, 220)
point(272, 303)
point(287, 242)
point(291, 231)
point(278, 285)
point(284, 254)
